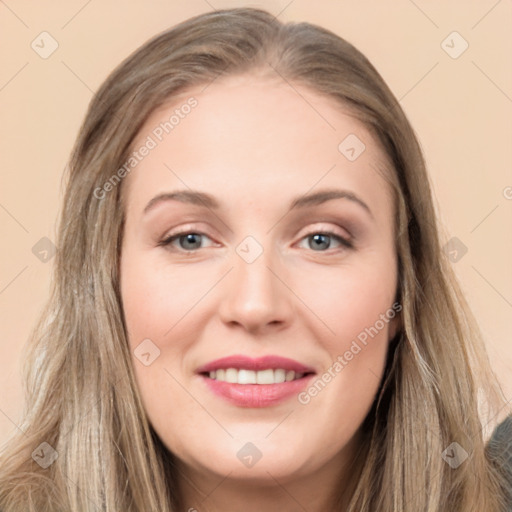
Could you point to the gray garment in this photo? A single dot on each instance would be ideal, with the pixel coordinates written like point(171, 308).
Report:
point(500, 449)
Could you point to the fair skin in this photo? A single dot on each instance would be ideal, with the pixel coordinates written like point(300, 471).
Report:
point(255, 145)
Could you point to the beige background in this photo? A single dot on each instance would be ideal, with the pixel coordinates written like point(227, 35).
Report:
point(460, 107)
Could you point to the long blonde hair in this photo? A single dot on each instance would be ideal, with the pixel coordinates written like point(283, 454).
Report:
point(81, 394)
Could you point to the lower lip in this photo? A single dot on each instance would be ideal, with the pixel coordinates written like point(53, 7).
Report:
point(257, 395)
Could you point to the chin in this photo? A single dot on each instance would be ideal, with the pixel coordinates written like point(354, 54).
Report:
point(259, 459)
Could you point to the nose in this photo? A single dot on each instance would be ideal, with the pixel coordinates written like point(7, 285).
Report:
point(256, 295)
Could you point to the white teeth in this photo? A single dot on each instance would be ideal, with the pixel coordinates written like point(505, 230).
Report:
point(265, 377)
point(231, 375)
point(269, 376)
point(246, 377)
point(279, 376)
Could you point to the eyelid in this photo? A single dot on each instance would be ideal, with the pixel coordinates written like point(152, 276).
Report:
point(346, 240)
point(329, 229)
point(184, 230)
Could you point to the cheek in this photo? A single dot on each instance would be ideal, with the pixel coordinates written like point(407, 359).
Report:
point(341, 396)
point(155, 299)
point(349, 301)
point(158, 304)
point(355, 305)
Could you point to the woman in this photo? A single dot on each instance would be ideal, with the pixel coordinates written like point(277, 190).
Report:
point(315, 353)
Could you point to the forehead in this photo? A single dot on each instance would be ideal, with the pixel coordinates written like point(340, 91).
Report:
point(247, 133)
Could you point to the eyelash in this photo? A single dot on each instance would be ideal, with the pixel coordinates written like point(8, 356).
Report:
point(347, 244)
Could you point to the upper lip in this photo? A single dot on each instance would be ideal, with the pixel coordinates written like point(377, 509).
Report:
point(242, 362)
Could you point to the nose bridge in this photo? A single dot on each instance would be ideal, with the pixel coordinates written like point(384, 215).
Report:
point(255, 296)
point(252, 274)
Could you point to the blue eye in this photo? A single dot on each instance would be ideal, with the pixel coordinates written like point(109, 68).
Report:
point(189, 241)
point(322, 241)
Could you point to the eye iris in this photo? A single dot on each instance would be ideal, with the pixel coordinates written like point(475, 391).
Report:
point(319, 241)
point(190, 238)
point(192, 241)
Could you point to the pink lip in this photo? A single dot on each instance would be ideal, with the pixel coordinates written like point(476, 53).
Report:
point(256, 395)
point(241, 362)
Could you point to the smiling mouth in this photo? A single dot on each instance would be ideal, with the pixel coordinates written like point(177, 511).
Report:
point(258, 382)
point(243, 376)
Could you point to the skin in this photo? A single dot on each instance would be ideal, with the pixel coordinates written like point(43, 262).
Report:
point(256, 144)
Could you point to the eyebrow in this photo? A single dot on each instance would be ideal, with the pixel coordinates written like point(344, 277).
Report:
point(203, 199)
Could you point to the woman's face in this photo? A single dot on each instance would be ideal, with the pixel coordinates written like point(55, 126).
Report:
point(288, 273)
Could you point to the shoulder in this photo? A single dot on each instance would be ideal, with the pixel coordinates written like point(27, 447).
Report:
point(499, 449)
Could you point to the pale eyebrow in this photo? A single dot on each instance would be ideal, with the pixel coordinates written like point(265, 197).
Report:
point(184, 196)
point(323, 196)
point(203, 199)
